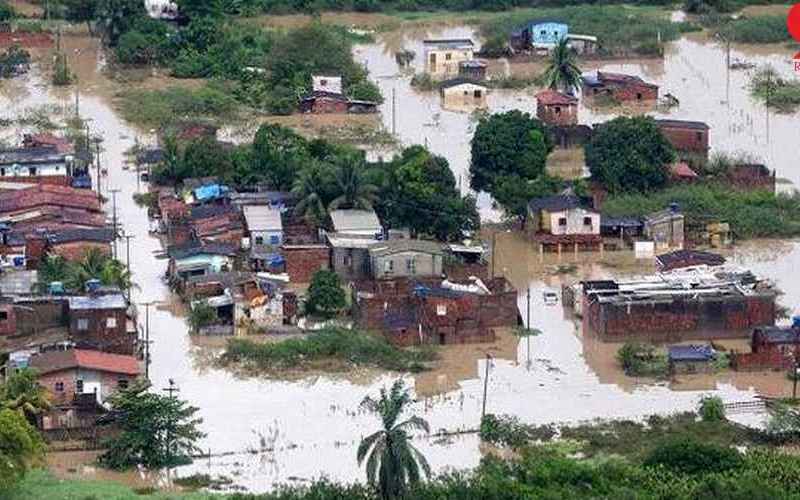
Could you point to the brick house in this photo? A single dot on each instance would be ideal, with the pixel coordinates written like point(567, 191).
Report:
point(73, 372)
point(555, 108)
point(101, 322)
point(687, 137)
point(302, 261)
point(48, 196)
point(619, 87)
point(772, 348)
point(73, 244)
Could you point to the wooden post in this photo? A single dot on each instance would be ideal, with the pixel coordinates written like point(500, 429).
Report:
point(541, 252)
point(559, 251)
point(576, 250)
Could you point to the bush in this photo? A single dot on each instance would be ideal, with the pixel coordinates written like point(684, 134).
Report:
point(687, 456)
point(61, 73)
point(365, 90)
point(507, 430)
point(711, 409)
point(158, 108)
point(641, 360)
point(761, 29)
point(325, 294)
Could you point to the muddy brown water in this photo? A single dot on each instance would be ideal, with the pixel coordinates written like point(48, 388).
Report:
point(291, 431)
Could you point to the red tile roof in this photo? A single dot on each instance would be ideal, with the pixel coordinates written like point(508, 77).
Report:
point(61, 144)
point(55, 361)
point(682, 170)
point(49, 195)
point(551, 97)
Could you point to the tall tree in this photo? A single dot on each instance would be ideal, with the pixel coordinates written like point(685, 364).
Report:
point(156, 430)
point(310, 191)
point(393, 463)
point(629, 154)
point(97, 265)
point(562, 72)
point(325, 294)
point(23, 393)
point(510, 143)
point(117, 17)
point(20, 448)
point(354, 190)
point(279, 154)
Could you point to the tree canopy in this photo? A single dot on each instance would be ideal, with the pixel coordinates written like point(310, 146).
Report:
point(325, 294)
point(20, 447)
point(156, 430)
point(629, 154)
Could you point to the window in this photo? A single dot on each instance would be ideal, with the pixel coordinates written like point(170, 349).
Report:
point(323, 83)
point(587, 221)
point(544, 33)
point(477, 94)
point(699, 136)
point(466, 92)
point(441, 309)
point(3, 172)
point(79, 387)
point(448, 56)
point(83, 324)
point(558, 110)
point(59, 386)
point(259, 240)
point(411, 265)
point(388, 266)
point(111, 322)
point(562, 221)
point(3, 315)
point(595, 90)
point(31, 170)
point(638, 96)
point(122, 383)
point(347, 260)
point(274, 239)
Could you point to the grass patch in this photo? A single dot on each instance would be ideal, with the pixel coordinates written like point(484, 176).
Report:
point(750, 214)
point(159, 108)
point(201, 481)
point(619, 29)
point(759, 29)
point(777, 93)
point(351, 347)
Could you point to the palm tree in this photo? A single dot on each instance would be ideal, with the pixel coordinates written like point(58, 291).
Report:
point(97, 265)
point(23, 393)
point(355, 191)
point(51, 268)
point(308, 189)
point(562, 71)
point(393, 462)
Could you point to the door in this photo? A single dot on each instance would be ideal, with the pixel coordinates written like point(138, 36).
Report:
point(433, 63)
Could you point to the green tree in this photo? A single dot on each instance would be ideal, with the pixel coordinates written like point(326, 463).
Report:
point(310, 190)
point(325, 295)
point(418, 191)
point(196, 9)
point(562, 72)
point(81, 11)
point(689, 456)
point(513, 192)
point(393, 463)
point(61, 73)
point(354, 191)
point(510, 143)
point(711, 409)
point(22, 392)
point(20, 448)
point(156, 430)
point(365, 90)
point(117, 17)
point(204, 157)
point(51, 268)
point(629, 154)
point(97, 265)
point(279, 154)
point(200, 314)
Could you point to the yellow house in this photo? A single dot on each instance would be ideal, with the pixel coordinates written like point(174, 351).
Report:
point(463, 94)
point(443, 56)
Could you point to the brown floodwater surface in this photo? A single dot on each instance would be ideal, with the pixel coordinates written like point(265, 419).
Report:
point(262, 432)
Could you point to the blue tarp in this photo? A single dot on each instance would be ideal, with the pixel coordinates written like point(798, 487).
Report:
point(82, 182)
point(275, 260)
point(210, 192)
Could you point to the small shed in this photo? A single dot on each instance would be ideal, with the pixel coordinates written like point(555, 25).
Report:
point(685, 359)
point(583, 44)
point(556, 108)
point(618, 86)
point(687, 137)
point(322, 102)
point(463, 92)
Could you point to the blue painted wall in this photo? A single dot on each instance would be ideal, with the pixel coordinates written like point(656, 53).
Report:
point(550, 33)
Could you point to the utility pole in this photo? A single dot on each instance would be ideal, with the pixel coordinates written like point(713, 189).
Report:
point(114, 217)
point(528, 332)
point(147, 337)
point(794, 379)
point(769, 91)
point(128, 258)
point(172, 389)
point(494, 246)
point(485, 385)
point(394, 111)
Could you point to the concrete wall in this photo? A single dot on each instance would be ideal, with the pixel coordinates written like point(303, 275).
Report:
point(266, 238)
point(100, 333)
point(444, 62)
point(575, 218)
point(666, 234)
point(398, 265)
point(108, 383)
point(303, 261)
point(687, 139)
point(623, 93)
point(351, 264)
point(557, 114)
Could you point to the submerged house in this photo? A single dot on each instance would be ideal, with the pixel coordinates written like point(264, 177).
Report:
point(100, 321)
point(687, 359)
point(665, 228)
point(687, 258)
point(563, 220)
point(443, 56)
point(689, 138)
point(556, 108)
point(619, 87)
point(327, 97)
point(463, 92)
point(43, 163)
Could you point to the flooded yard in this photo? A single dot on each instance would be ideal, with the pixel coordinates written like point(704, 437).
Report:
point(265, 432)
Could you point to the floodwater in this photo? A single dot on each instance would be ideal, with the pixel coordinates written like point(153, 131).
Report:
point(265, 432)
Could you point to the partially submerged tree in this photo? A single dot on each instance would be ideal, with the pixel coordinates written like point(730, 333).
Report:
point(156, 430)
point(393, 463)
point(325, 295)
point(629, 154)
point(562, 72)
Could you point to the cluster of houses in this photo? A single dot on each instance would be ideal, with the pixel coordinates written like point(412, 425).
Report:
point(248, 256)
point(82, 343)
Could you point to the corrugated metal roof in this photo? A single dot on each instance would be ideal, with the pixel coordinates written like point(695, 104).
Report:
point(355, 220)
point(262, 218)
point(86, 302)
point(395, 246)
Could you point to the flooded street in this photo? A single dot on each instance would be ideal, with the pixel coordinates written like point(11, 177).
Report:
point(265, 432)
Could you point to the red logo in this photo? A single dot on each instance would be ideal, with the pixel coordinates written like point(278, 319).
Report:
point(793, 22)
point(796, 61)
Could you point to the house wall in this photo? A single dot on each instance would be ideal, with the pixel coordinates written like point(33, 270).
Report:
point(49, 169)
point(575, 222)
point(40, 315)
point(686, 367)
point(303, 261)
point(687, 140)
point(666, 234)
point(99, 334)
point(548, 33)
point(768, 359)
point(8, 320)
point(351, 264)
point(324, 105)
point(76, 250)
point(108, 383)
point(464, 95)
point(266, 237)
point(557, 114)
point(214, 263)
point(438, 64)
point(623, 92)
point(675, 320)
point(425, 264)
